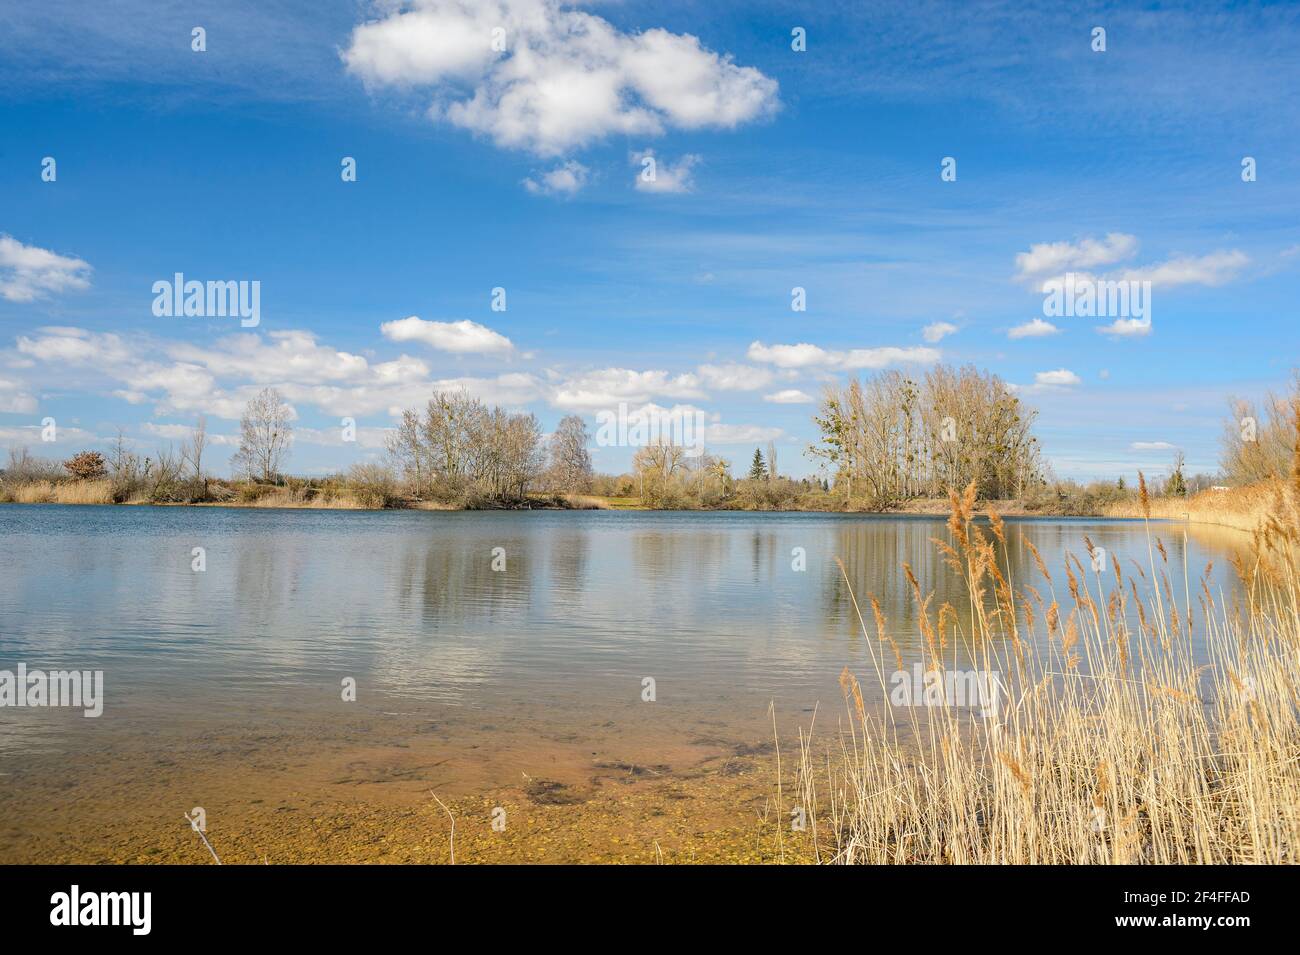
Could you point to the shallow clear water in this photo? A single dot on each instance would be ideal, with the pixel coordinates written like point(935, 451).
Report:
point(408, 604)
point(223, 688)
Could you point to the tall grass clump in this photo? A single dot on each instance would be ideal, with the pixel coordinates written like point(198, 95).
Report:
point(1142, 718)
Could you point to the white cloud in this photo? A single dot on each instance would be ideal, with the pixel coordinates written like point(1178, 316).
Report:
point(1127, 327)
point(662, 176)
point(1152, 446)
point(31, 435)
point(288, 355)
point(937, 331)
point(740, 434)
point(180, 378)
point(565, 79)
point(790, 396)
point(182, 432)
point(463, 337)
point(606, 388)
point(371, 438)
point(1059, 378)
point(734, 377)
point(75, 346)
point(1214, 269)
point(1048, 382)
point(28, 273)
point(1045, 258)
point(566, 179)
point(14, 400)
point(1036, 328)
point(804, 355)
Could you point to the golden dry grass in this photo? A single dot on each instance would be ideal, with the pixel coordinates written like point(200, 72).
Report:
point(286, 497)
point(1242, 508)
point(1143, 720)
point(63, 492)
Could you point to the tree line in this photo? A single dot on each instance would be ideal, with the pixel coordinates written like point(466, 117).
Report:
point(889, 437)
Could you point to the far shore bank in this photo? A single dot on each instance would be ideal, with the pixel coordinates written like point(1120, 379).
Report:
point(1236, 508)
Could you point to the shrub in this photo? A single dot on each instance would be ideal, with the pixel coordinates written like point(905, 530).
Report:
point(86, 466)
point(373, 485)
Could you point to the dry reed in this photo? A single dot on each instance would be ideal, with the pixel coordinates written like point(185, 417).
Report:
point(1131, 731)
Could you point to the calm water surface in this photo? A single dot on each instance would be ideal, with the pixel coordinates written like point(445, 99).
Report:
point(223, 688)
point(408, 604)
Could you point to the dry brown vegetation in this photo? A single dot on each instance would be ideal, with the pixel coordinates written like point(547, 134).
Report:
point(1145, 718)
point(1244, 508)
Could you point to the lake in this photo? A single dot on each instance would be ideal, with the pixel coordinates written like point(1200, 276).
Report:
point(485, 647)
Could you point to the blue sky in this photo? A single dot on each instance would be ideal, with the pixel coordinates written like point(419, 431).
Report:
point(479, 169)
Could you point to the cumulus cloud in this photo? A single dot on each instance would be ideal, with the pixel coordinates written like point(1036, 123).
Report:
point(804, 355)
point(560, 79)
point(1046, 258)
point(287, 355)
point(732, 376)
point(1036, 328)
point(1127, 328)
point(565, 180)
point(31, 434)
point(28, 273)
point(789, 396)
point(659, 175)
point(741, 434)
point(606, 388)
point(1152, 446)
point(1046, 263)
point(74, 346)
point(937, 331)
point(463, 337)
point(182, 432)
point(184, 378)
point(1061, 377)
point(14, 400)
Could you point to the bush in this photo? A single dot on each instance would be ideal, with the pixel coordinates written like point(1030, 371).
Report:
point(373, 485)
point(250, 492)
point(86, 466)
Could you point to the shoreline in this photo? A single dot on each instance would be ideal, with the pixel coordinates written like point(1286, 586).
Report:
point(1244, 521)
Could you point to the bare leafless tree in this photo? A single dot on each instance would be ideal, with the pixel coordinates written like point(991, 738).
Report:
point(194, 446)
point(265, 434)
point(570, 461)
point(1258, 440)
point(461, 447)
point(889, 438)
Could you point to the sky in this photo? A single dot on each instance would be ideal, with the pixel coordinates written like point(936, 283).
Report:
point(923, 172)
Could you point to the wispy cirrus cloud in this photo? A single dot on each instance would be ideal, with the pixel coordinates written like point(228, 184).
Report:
point(659, 175)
